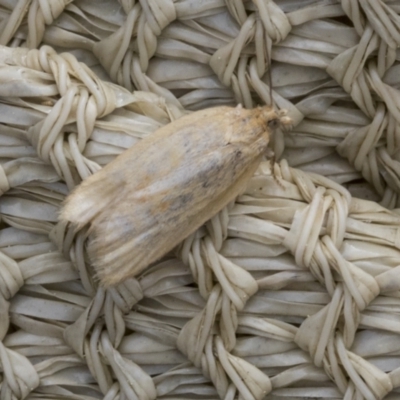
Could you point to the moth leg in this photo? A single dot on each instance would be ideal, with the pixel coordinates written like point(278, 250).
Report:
point(275, 170)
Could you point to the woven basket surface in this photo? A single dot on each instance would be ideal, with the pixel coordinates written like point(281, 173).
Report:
point(291, 292)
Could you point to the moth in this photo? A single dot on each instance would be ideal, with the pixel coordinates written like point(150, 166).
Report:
point(159, 191)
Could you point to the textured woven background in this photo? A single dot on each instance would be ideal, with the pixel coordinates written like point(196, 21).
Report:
point(290, 293)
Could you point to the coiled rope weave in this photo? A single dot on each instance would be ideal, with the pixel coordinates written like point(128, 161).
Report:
point(292, 291)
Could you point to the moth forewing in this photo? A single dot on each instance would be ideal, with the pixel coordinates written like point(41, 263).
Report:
point(155, 194)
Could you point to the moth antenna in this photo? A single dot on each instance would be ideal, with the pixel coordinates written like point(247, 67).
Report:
point(269, 70)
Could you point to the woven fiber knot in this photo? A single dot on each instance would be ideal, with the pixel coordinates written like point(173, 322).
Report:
point(230, 374)
point(359, 70)
point(11, 278)
point(209, 337)
point(19, 375)
point(374, 153)
point(111, 305)
point(39, 14)
point(353, 375)
point(242, 64)
point(324, 216)
point(4, 183)
point(69, 73)
point(365, 140)
point(201, 252)
point(134, 382)
point(376, 143)
point(381, 17)
point(125, 61)
point(84, 98)
point(348, 69)
point(103, 358)
point(317, 234)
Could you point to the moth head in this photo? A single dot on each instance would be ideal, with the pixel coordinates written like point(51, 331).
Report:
point(248, 125)
point(276, 119)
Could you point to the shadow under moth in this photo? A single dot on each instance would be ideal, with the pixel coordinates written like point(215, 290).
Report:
point(159, 191)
